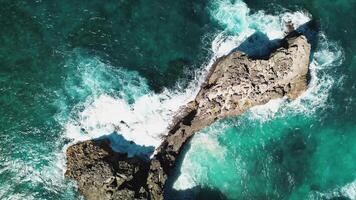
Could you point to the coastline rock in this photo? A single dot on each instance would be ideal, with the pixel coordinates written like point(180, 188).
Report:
point(102, 173)
point(234, 84)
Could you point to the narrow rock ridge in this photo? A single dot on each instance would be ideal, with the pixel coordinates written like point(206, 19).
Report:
point(234, 84)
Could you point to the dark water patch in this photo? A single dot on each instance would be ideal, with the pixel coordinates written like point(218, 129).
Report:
point(339, 198)
point(152, 38)
point(194, 193)
point(290, 161)
point(277, 167)
point(197, 193)
point(119, 144)
point(258, 46)
point(134, 34)
point(169, 191)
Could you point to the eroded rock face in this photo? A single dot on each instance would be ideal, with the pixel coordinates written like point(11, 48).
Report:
point(104, 174)
point(234, 84)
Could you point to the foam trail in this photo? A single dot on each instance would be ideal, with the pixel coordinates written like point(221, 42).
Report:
point(349, 190)
point(193, 173)
point(143, 120)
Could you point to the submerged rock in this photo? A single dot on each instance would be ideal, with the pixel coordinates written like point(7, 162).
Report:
point(234, 84)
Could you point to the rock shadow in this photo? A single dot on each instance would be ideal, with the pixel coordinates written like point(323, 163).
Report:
point(310, 30)
point(195, 193)
point(119, 144)
point(259, 46)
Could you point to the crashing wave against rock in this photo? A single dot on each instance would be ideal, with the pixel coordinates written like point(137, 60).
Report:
point(234, 84)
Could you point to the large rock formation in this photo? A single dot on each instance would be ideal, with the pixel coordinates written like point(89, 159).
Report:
point(102, 173)
point(234, 84)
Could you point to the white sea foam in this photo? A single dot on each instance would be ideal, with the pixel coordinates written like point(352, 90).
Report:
point(143, 121)
point(267, 111)
point(50, 177)
point(348, 191)
point(191, 173)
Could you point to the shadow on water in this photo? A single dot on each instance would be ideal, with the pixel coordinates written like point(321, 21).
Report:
point(259, 46)
point(119, 144)
point(195, 193)
point(340, 198)
point(286, 160)
point(310, 31)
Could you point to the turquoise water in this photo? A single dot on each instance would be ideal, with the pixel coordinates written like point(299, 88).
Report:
point(70, 65)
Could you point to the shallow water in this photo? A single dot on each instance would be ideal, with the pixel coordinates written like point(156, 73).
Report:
point(71, 71)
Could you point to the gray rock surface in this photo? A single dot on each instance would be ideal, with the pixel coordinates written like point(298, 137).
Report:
point(102, 173)
point(234, 84)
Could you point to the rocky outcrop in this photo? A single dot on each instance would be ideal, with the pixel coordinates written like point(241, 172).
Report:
point(102, 173)
point(234, 84)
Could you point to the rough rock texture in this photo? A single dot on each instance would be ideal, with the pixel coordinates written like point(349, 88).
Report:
point(234, 84)
point(104, 174)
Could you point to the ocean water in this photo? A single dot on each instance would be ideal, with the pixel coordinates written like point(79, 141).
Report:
point(72, 70)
